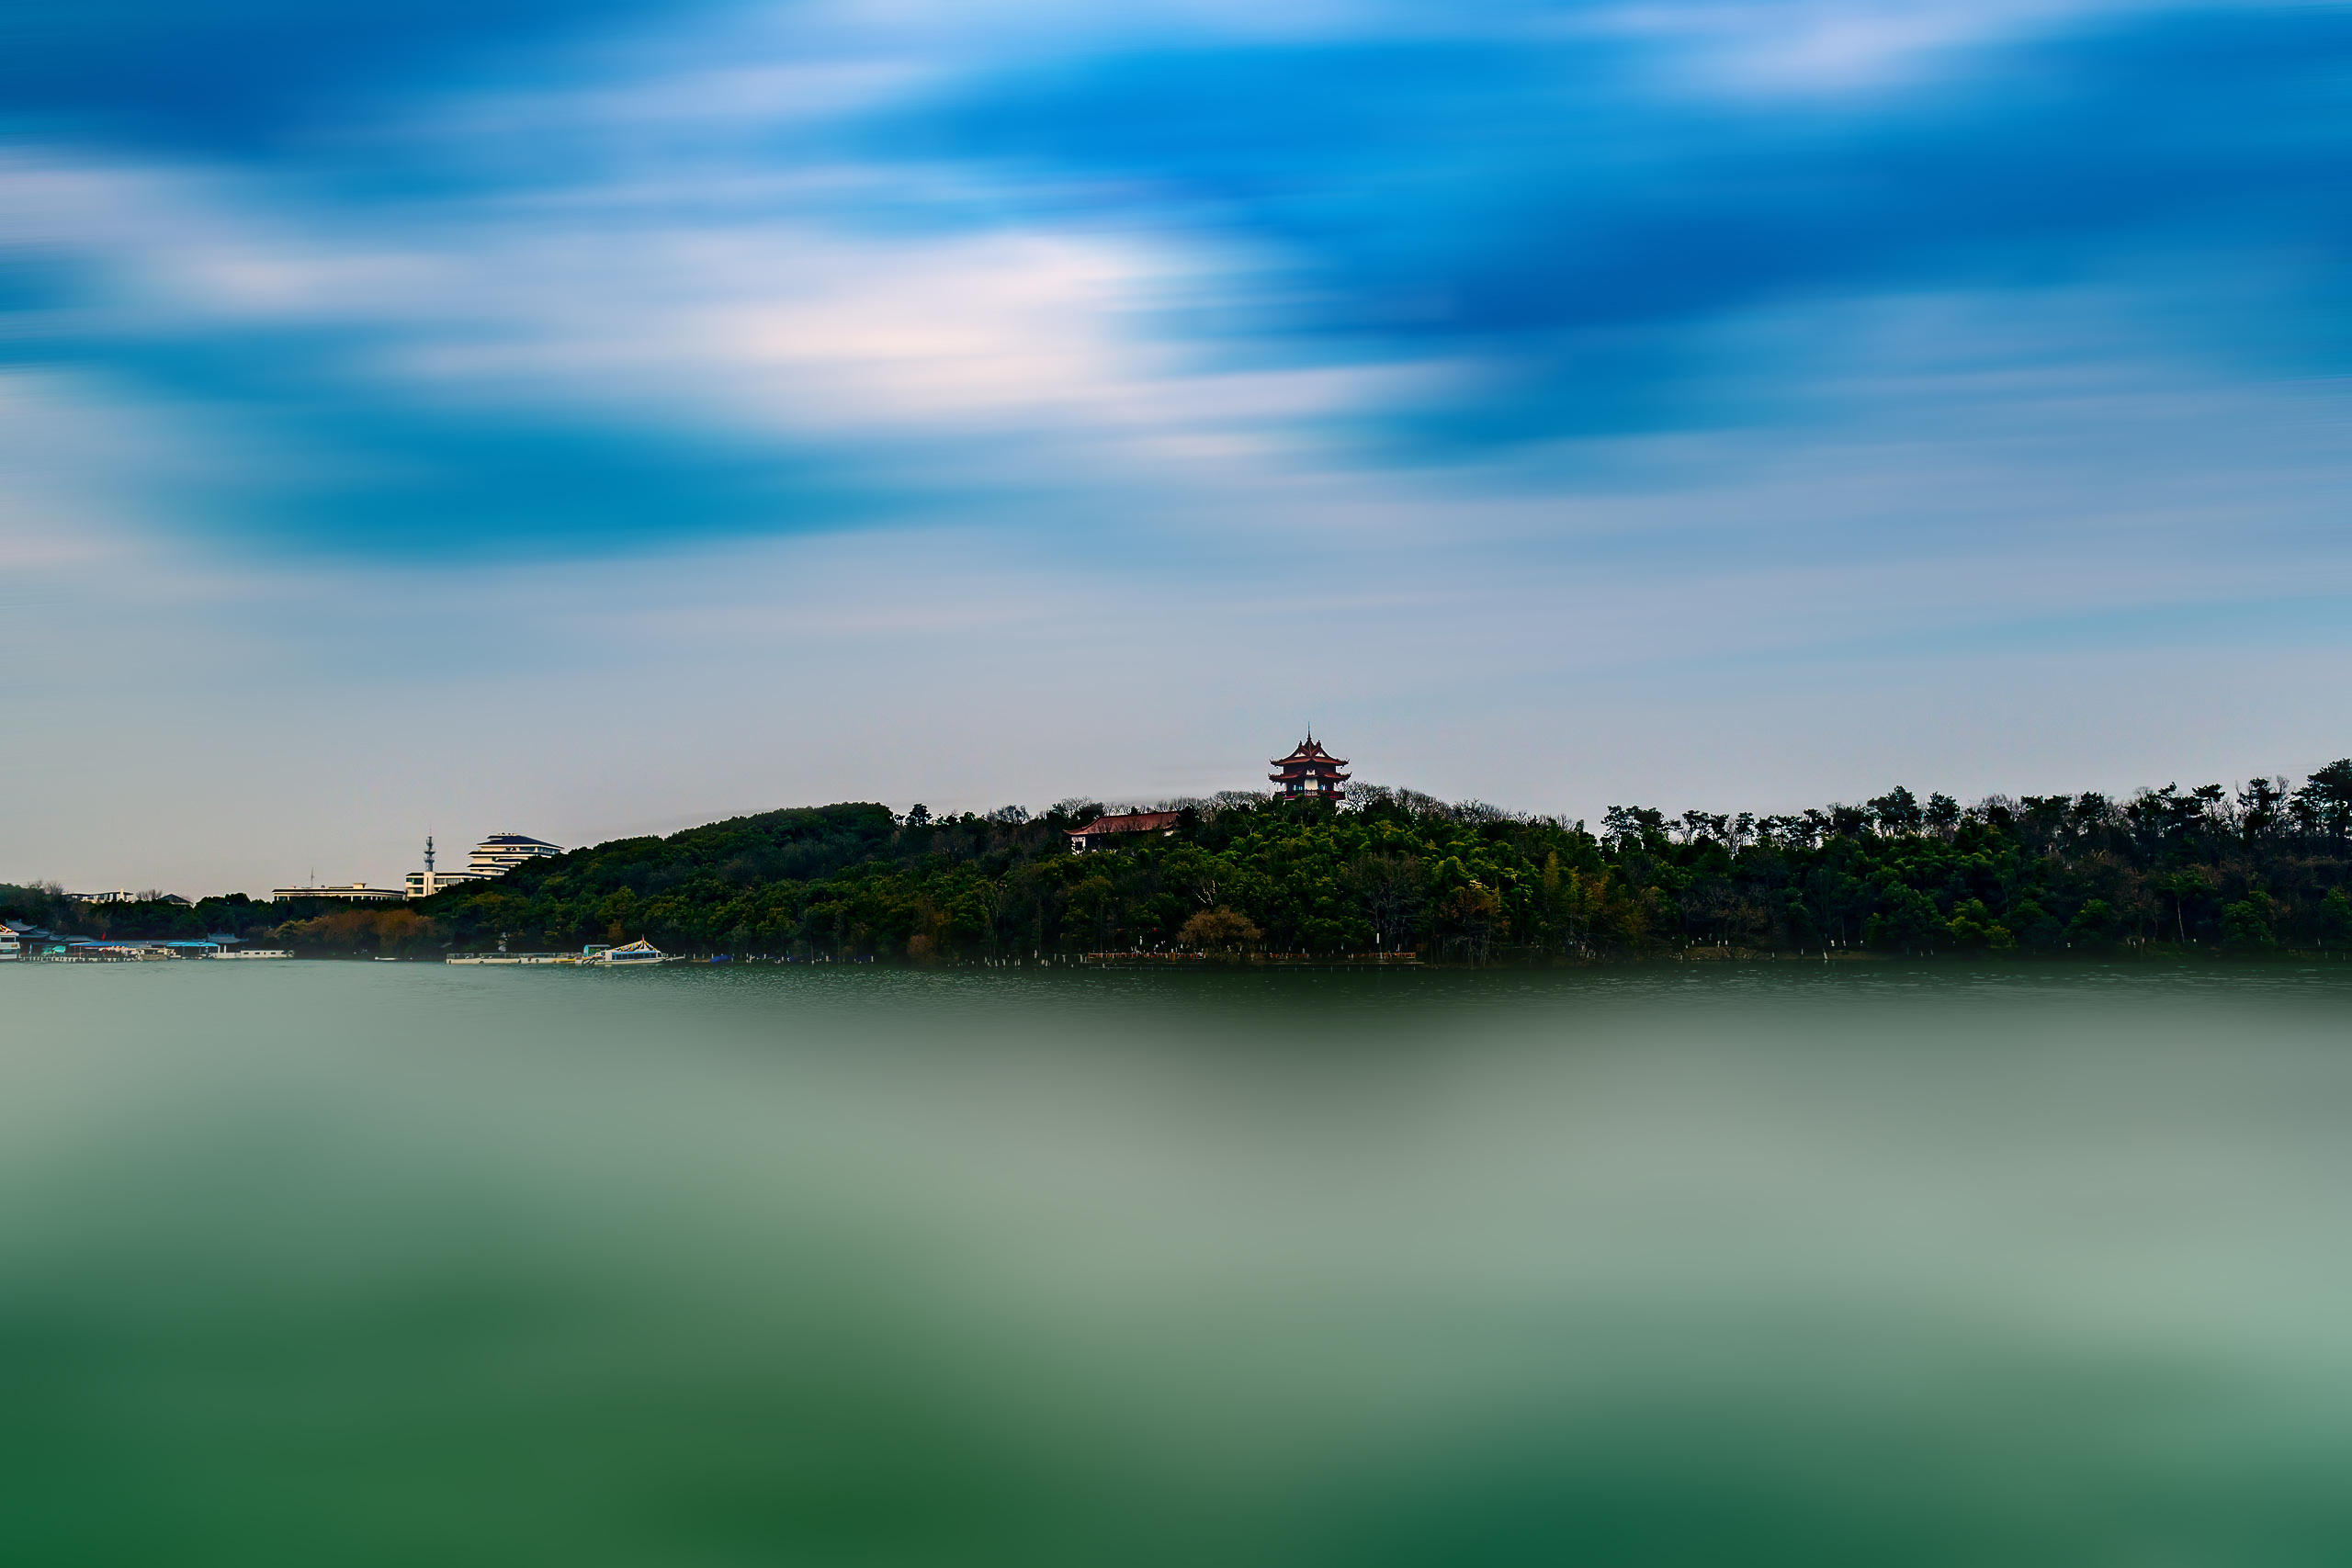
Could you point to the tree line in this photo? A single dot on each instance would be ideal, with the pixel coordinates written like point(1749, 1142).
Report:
point(153, 919)
point(2256, 870)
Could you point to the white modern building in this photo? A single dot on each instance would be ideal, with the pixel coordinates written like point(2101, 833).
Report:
point(355, 892)
point(426, 883)
point(502, 853)
point(495, 856)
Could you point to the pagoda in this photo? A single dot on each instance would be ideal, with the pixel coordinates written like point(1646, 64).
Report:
point(1309, 773)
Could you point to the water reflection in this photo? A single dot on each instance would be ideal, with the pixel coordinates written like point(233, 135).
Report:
point(365, 1263)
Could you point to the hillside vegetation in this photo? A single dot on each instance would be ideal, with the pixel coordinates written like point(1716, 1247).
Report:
point(48, 905)
point(2256, 871)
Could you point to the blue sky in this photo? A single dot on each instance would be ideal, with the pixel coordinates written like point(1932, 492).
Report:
point(592, 418)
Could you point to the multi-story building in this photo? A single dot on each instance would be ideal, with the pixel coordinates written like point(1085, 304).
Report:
point(495, 856)
point(502, 853)
point(426, 883)
point(1309, 773)
point(357, 892)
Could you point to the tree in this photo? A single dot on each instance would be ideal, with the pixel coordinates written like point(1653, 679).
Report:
point(390, 932)
point(1625, 826)
point(2031, 924)
point(1698, 826)
point(2324, 802)
point(1896, 812)
point(2245, 926)
point(2335, 919)
point(1194, 873)
point(2182, 885)
point(1387, 888)
point(1942, 814)
point(2260, 808)
point(1973, 925)
point(1909, 919)
point(1466, 909)
point(2093, 927)
point(1219, 930)
point(2090, 812)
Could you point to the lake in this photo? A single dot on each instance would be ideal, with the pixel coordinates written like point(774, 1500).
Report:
point(318, 1263)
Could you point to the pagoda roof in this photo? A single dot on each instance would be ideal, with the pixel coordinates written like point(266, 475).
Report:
point(1309, 750)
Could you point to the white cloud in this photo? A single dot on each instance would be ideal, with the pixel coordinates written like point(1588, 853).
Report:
point(1936, 538)
point(1835, 46)
point(718, 303)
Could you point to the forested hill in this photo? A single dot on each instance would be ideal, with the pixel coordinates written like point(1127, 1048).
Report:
point(2258, 871)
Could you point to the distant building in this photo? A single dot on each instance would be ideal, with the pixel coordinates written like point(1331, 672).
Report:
point(357, 892)
point(502, 853)
point(1309, 773)
point(1094, 832)
point(495, 856)
point(123, 896)
point(426, 883)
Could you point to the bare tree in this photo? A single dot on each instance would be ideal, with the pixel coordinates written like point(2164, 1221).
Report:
point(1219, 930)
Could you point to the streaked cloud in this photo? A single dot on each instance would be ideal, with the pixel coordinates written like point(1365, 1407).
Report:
point(767, 251)
point(1538, 356)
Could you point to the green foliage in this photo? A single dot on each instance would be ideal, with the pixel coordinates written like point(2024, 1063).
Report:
point(2169, 870)
point(2335, 921)
point(150, 920)
point(2095, 927)
point(36, 904)
point(1973, 925)
point(2245, 926)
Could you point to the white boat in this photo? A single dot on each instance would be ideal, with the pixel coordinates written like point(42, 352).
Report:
point(254, 953)
point(636, 953)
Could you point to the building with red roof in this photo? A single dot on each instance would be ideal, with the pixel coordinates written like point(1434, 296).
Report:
point(1091, 835)
point(1309, 773)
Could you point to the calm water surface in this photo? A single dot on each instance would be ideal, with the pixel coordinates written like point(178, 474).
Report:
point(358, 1264)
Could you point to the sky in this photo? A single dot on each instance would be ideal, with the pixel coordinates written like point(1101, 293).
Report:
point(594, 419)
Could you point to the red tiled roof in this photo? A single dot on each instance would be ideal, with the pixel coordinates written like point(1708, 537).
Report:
point(1128, 822)
point(1309, 750)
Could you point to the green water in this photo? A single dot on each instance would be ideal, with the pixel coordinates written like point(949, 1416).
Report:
point(358, 1263)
